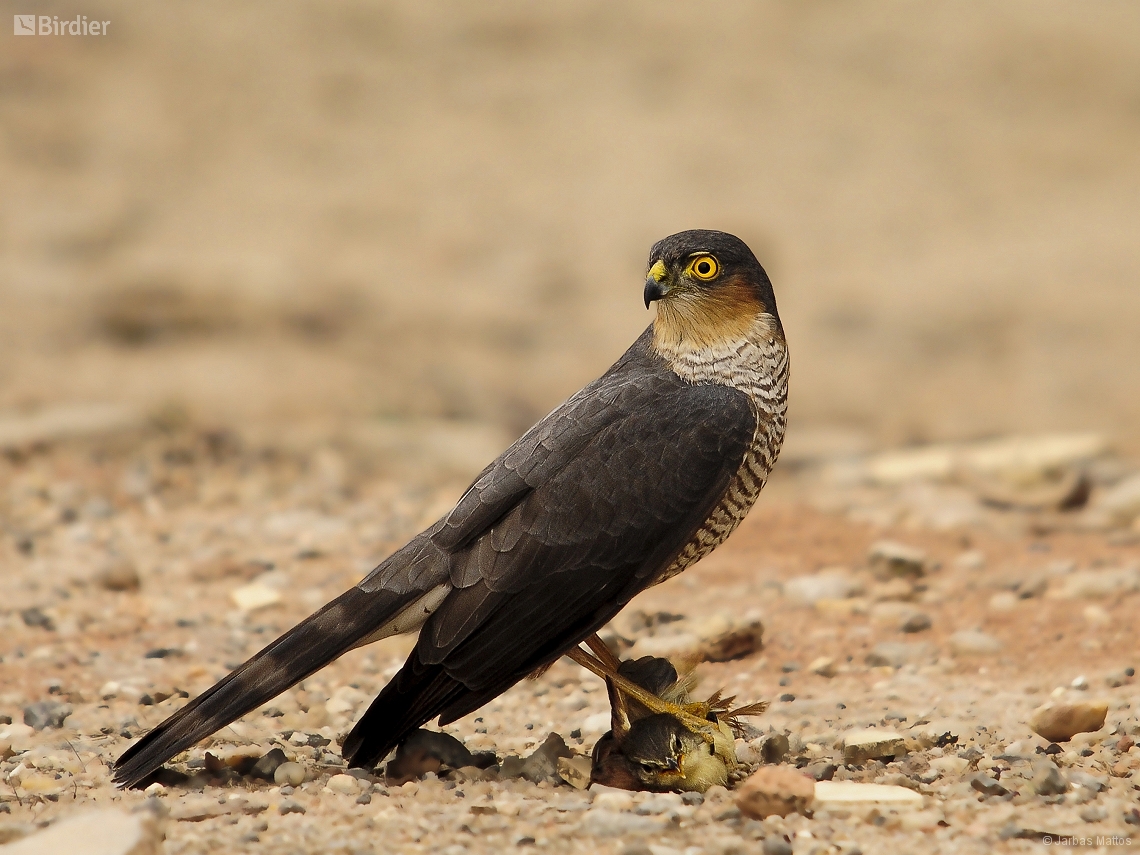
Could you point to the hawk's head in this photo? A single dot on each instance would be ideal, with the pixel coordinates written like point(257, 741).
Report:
point(709, 288)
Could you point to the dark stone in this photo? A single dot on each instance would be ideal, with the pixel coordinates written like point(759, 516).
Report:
point(775, 748)
point(35, 617)
point(787, 698)
point(542, 765)
point(821, 770)
point(917, 622)
point(46, 714)
point(162, 653)
point(987, 786)
point(267, 765)
point(776, 846)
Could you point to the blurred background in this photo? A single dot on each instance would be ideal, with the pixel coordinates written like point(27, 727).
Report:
point(343, 219)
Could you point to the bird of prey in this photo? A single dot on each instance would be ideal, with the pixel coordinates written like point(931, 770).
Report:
point(637, 476)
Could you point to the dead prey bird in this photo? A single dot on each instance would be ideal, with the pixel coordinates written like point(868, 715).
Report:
point(654, 751)
point(634, 478)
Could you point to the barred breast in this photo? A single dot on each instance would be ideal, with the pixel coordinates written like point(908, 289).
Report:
point(757, 365)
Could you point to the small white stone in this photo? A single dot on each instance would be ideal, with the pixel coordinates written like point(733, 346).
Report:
point(972, 642)
point(870, 743)
point(255, 595)
point(1096, 615)
point(292, 774)
point(1080, 683)
point(1004, 601)
point(608, 798)
point(839, 794)
point(99, 832)
point(345, 785)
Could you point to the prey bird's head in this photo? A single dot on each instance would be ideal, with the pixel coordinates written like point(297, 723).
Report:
point(709, 289)
point(665, 755)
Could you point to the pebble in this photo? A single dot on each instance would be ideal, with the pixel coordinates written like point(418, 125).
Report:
point(540, 766)
point(824, 666)
point(840, 794)
point(46, 714)
point(345, 785)
point(828, 584)
point(289, 774)
point(1092, 783)
point(889, 559)
point(775, 791)
point(119, 575)
point(917, 622)
point(290, 806)
point(725, 640)
point(1093, 813)
point(971, 559)
point(98, 832)
point(972, 642)
point(1047, 778)
point(255, 595)
point(896, 653)
point(1060, 722)
point(949, 765)
point(774, 845)
point(871, 743)
point(1004, 601)
point(987, 785)
point(266, 767)
point(575, 771)
point(1096, 584)
point(608, 823)
point(1121, 502)
point(610, 798)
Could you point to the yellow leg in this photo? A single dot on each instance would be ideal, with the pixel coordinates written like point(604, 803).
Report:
point(647, 699)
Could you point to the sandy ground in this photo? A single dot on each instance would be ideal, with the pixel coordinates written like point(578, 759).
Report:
point(207, 522)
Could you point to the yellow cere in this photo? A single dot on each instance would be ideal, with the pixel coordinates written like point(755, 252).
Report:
point(657, 271)
point(704, 267)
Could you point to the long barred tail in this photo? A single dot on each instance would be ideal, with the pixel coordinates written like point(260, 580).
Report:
point(300, 652)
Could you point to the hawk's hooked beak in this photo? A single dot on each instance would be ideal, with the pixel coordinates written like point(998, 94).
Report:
point(655, 287)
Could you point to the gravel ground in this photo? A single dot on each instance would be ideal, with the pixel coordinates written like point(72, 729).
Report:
point(136, 571)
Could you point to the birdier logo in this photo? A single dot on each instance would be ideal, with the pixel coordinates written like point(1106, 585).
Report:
point(51, 25)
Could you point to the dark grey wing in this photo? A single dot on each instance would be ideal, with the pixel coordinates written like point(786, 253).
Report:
point(571, 549)
point(597, 531)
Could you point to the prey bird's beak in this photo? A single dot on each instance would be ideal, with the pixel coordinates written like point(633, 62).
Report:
point(655, 288)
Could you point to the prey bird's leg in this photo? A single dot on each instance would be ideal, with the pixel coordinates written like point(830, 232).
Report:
point(647, 699)
point(603, 652)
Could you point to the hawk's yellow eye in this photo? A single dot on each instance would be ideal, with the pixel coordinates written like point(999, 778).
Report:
point(704, 267)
